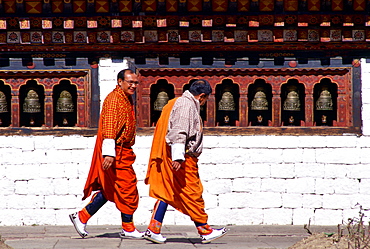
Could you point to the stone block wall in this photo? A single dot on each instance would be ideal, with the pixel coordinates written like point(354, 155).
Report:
point(247, 180)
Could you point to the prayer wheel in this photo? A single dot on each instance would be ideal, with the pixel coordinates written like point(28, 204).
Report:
point(65, 102)
point(3, 103)
point(227, 102)
point(32, 103)
point(259, 102)
point(161, 101)
point(292, 102)
point(324, 102)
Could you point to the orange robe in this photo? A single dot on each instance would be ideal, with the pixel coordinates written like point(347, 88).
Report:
point(118, 183)
point(181, 189)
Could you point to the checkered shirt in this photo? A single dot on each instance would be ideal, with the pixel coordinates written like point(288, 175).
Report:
point(118, 118)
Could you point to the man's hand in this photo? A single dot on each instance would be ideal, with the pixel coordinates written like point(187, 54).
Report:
point(108, 161)
point(176, 165)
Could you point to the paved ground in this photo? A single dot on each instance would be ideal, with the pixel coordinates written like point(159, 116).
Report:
point(251, 237)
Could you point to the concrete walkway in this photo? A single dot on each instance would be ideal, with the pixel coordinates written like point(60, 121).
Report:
point(252, 237)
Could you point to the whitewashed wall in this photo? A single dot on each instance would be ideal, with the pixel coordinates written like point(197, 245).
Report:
point(108, 76)
point(247, 179)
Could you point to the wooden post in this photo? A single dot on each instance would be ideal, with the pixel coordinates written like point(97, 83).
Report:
point(309, 109)
point(49, 112)
point(243, 110)
point(15, 109)
point(276, 110)
point(211, 111)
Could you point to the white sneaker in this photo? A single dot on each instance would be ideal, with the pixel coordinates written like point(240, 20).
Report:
point(135, 234)
point(154, 237)
point(215, 234)
point(79, 226)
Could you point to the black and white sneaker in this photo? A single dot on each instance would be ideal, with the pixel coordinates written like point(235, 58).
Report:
point(215, 234)
point(79, 226)
point(154, 237)
point(135, 234)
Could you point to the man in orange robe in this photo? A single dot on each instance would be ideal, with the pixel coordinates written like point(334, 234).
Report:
point(173, 169)
point(111, 172)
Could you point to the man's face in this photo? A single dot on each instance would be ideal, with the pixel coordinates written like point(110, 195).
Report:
point(129, 84)
point(203, 99)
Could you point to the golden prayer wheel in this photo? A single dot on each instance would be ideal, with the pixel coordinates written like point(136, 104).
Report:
point(324, 102)
point(259, 102)
point(31, 102)
point(3, 103)
point(292, 102)
point(161, 101)
point(65, 102)
point(227, 102)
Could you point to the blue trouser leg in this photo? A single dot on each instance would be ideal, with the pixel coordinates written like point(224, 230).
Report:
point(96, 203)
point(161, 211)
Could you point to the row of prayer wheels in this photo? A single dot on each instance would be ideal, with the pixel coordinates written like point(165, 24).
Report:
point(226, 105)
point(292, 107)
point(32, 106)
point(259, 102)
point(32, 102)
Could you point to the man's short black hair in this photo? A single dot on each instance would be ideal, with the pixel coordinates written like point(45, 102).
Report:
point(122, 73)
point(199, 87)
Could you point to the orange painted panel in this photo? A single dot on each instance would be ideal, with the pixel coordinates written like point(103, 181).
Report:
point(194, 5)
point(34, 7)
point(149, 5)
point(291, 5)
point(125, 6)
point(313, 5)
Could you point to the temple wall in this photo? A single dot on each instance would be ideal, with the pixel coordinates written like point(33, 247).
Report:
point(247, 179)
